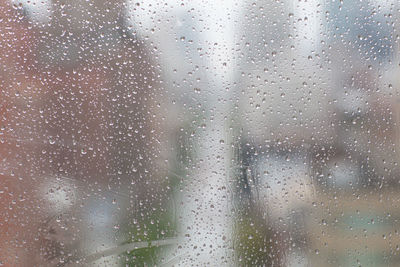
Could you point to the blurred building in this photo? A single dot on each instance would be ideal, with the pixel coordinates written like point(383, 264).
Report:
point(318, 112)
point(80, 134)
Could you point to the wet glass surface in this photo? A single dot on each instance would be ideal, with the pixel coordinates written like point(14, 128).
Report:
point(203, 133)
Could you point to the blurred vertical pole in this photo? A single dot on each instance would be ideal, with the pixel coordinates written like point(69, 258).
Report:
point(205, 213)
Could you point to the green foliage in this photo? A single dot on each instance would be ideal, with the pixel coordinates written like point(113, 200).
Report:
point(254, 245)
point(157, 226)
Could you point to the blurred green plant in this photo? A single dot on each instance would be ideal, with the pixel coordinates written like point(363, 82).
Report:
point(159, 223)
point(254, 245)
point(157, 226)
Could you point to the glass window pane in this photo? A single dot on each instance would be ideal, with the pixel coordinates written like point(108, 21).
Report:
point(199, 133)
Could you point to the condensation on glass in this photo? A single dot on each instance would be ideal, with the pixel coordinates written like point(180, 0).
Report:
point(199, 133)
